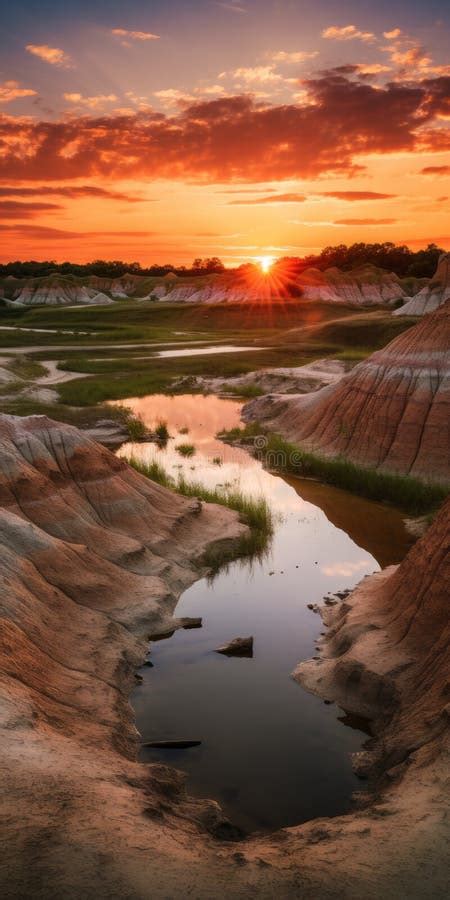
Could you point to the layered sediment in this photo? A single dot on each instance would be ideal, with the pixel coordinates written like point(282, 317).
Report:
point(433, 295)
point(391, 412)
point(93, 557)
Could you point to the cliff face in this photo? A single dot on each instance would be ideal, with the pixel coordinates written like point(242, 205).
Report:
point(390, 412)
point(433, 295)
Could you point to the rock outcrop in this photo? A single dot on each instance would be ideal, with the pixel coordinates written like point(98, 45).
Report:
point(433, 295)
point(364, 286)
point(390, 412)
point(56, 290)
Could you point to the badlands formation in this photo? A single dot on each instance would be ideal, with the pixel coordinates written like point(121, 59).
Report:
point(93, 558)
point(433, 295)
point(390, 412)
point(363, 287)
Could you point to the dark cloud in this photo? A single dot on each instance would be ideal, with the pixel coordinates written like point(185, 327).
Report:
point(353, 196)
point(11, 209)
point(275, 198)
point(71, 192)
point(435, 170)
point(234, 137)
point(43, 232)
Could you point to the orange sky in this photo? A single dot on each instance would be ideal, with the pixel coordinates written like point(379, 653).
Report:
point(338, 135)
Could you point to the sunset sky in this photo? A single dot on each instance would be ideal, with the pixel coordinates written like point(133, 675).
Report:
point(161, 131)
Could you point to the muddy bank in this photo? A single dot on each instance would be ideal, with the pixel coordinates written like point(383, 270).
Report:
point(93, 558)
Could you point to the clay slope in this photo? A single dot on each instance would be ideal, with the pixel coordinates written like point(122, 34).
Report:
point(390, 412)
point(432, 295)
point(364, 286)
point(56, 290)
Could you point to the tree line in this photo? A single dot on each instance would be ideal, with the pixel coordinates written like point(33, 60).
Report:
point(392, 257)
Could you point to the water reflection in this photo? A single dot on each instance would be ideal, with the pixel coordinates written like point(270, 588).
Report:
point(270, 753)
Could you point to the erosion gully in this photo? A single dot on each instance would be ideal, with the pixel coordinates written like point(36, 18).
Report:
point(271, 754)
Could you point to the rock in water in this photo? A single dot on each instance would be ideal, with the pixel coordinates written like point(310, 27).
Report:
point(391, 412)
point(238, 647)
point(432, 295)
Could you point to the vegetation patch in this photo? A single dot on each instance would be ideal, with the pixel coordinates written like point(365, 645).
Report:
point(185, 449)
point(253, 511)
point(410, 494)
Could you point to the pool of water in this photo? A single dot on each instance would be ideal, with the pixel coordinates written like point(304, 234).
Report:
point(270, 753)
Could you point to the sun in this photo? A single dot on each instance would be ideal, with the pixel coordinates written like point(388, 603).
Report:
point(266, 263)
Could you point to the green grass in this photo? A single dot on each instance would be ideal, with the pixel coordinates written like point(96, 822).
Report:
point(162, 432)
point(26, 368)
point(410, 494)
point(253, 511)
point(185, 449)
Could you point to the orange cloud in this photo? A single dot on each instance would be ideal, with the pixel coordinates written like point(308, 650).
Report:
point(364, 221)
point(11, 209)
point(127, 36)
point(356, 195)
point(10, 91)
point(215, 140)
point(90, 102)
point(298, 56)
point(435, 170)
point(347, 33)
point(276, 198)
point(71, 192)
point(52, 55)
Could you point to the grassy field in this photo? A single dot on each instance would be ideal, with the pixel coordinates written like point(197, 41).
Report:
point(253, 511)
point(409, 494)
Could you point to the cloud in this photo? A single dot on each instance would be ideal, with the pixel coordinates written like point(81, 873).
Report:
point(127, 36)
point(10, 90)
point(364, 221)
point(52, 55)
point(391, 35)
point(346, 568)
point(11, 209)
point(232, 6)
point(233, 138)
point(347, 33)
point(298, 56)
point(90, 102)
point(257, 75)
point(274, 198)
point(356, 195)
point(435, 170)
point(73, 193)
point(43, 232)
point(173, 97)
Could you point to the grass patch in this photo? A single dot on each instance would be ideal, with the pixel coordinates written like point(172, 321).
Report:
point(185, 449)
point(253, 511)
point(162, 432)
point(410, 494)
point(26, 368)
point(183, 430)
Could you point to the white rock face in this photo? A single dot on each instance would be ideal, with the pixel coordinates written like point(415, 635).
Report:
point(432, 295)
point(52, 292)
point(364, 286)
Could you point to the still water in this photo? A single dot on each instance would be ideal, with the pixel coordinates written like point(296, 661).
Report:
point(271, 753)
